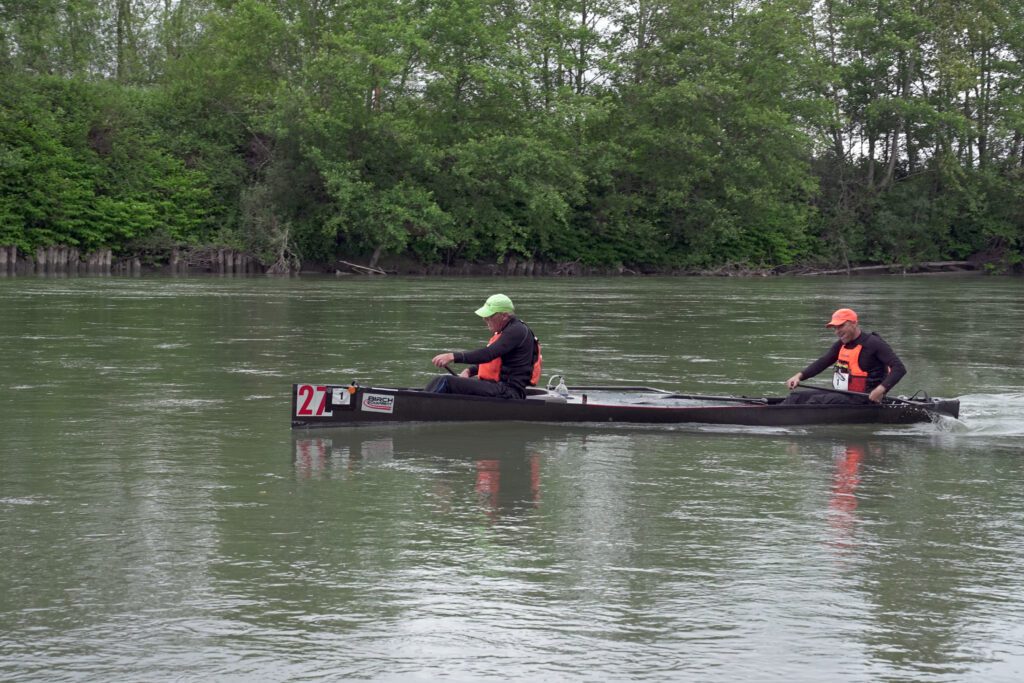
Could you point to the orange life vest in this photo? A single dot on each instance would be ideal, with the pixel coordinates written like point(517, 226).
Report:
point(491, 370)
point(849, 375)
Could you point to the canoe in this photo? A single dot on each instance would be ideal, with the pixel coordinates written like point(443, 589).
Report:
point(335, 405)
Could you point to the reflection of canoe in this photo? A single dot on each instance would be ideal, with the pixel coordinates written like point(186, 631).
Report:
point(330, 405)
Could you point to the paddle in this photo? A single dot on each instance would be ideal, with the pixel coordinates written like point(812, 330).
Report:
point(669, 394)
point(448, 367)
point(734, 399)
point(887, 399)
point(595, 387)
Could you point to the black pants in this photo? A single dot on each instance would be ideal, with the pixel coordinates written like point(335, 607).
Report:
point(822, 397)
point(450, 384)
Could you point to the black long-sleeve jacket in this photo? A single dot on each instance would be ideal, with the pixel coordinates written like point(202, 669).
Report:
point(516, 349)
point(876, 358)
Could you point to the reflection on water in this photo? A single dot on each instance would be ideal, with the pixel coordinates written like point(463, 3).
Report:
point(843, 500)
point(700, 540)
point(506, 469)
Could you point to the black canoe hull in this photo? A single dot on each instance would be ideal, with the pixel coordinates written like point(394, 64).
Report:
point(337, 405)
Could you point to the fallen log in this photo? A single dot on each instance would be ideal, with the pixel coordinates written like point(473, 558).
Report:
point(362, 269)
point(913, 267)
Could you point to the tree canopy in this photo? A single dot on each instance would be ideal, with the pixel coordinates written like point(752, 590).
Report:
point(639, 133)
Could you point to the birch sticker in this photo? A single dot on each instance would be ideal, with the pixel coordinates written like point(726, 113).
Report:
point(378, 403)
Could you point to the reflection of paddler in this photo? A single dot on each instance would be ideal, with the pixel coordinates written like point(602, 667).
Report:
point(489, 482)
point(843, 500)
point(505, 459)
point(846, 478)
point(535, 478)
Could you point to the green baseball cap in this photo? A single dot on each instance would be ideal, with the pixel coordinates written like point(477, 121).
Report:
point(499, 303)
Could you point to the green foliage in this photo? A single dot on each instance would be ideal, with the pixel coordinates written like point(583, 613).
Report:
point(83, 167)
point(670, 133)
point(513, 192)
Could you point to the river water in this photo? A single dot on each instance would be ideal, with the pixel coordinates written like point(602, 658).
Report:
point(160, 521)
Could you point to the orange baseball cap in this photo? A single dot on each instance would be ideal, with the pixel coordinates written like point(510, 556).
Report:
point(841, 316)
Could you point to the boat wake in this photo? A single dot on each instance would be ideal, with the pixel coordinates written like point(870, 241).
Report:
point(993, 414)
point(982, 416)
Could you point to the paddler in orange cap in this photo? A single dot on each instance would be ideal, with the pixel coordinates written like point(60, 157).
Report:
point(865, 368)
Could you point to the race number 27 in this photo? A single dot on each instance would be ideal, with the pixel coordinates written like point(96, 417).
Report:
point(311, 400)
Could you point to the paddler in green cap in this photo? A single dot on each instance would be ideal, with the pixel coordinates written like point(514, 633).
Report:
point(509, 363)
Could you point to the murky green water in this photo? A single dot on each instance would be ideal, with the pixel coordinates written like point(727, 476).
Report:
point(160, 521)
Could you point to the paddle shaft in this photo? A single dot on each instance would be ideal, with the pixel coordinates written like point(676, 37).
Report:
point(668, 394)
point(734, 399)
point(856, 393)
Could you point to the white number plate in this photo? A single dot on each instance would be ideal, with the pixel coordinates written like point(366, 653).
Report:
point(311, 400)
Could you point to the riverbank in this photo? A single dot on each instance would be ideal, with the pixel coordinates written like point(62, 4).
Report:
point(62, 260)
point(514, 267)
